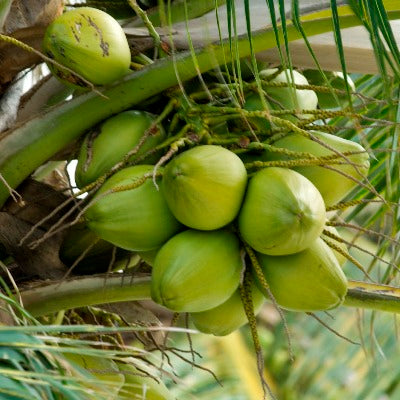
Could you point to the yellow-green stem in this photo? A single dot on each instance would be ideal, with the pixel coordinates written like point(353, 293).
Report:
point(373, 297)
point(87, 291)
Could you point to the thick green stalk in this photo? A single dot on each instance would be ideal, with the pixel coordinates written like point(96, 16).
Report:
point(80, 292)
point(86, 291)
point(28, 146)
point(373, 297)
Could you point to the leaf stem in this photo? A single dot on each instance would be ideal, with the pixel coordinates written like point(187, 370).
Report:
point(145, 19)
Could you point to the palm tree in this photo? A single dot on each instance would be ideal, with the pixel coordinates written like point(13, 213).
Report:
point(202, 64)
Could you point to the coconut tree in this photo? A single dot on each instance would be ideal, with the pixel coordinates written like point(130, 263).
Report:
point(319, 149)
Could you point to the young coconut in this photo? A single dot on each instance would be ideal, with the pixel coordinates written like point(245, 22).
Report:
point(136, 219)
point(196, 271)
point(114, 138)
point(91, 43)
point(228, 316)
point(336, 80)
point(282, 212)
point(332, 185)
point(139, 386)
point(289, 98)
point(253, 102)
point(311, 280)
point(204, 186)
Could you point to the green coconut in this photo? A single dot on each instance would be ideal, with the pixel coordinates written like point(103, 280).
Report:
point(253, 102)
point(112, 140)
point(136, 219)
point(196, 271)
point(91, 43)
point(289, 98)
point(228, 316)
point(282, 213)
point(278, 98)
point(139, 386)
point(311, 280)
point(204, 186)
point(336, 81)
point(333, 185)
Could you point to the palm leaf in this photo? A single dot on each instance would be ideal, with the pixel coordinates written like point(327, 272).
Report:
point(35, 360)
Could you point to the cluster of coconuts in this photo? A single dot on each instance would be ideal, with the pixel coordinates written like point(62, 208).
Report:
point(190, 218)
point(181, 221)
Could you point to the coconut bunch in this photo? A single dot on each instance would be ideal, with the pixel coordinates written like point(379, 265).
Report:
point(192, 222)
point(209, 188)
point(192, 218)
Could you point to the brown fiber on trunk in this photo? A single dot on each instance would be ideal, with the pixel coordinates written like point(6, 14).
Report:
point(42, 262)
point(26, 21)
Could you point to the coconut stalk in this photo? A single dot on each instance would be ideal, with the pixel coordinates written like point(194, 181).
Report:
point(88, 291)
point(373, 296)
point(28, 146)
